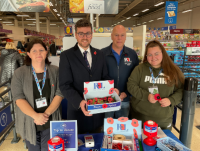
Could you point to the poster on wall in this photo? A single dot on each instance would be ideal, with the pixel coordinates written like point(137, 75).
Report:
point(24, 5)
point(94, 6)
point(68, 30)
point(171, 8)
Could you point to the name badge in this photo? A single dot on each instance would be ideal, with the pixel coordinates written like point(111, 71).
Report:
point(41, 102)
point(153, 90)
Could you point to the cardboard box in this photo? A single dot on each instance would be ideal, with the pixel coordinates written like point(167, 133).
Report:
point(101, 89)
point(122, 126)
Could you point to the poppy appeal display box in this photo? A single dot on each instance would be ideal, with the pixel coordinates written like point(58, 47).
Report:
point(122, 134)
point(101, 97)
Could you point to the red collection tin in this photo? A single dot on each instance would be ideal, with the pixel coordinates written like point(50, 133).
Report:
point(56, 144)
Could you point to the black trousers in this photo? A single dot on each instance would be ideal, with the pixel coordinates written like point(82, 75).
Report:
point(42, 138)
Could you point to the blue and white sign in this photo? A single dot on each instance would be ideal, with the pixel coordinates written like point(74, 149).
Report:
point(70, 20)
point(164, 28)
point(67, 130)
point(150, 129)
point(171, 8)
point(172, 27)
point(158, 28)
point(5, 118)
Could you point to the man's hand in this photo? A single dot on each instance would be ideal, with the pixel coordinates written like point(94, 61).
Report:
point(41, 118)
point(122, 96)
point(116, 90)
point(82, 105)
point(151, 98)
point(165, 102)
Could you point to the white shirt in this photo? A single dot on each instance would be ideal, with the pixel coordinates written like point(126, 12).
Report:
point(89, 56)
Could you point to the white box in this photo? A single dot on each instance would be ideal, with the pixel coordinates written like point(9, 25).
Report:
point(89, 141)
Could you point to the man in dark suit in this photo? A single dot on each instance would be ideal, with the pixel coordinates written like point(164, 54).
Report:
point(80, 64)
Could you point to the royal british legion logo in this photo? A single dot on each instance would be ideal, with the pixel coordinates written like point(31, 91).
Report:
point(99, 86)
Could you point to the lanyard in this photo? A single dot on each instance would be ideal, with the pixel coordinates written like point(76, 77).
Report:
point(37, 82)
point(153, 78)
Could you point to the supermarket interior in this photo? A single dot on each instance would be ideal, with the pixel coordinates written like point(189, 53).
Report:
point(62, 25)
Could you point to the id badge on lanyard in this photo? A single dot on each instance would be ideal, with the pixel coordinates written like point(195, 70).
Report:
point(154, 89)
point(41, 102)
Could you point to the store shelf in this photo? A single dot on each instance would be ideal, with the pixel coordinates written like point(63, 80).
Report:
point(6, 37)
point(5, 33)
point(170, 47)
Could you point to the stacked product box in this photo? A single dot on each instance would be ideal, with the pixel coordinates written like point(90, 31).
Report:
point(178, 56)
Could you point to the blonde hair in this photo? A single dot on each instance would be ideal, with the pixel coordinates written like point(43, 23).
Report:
point(10, 45)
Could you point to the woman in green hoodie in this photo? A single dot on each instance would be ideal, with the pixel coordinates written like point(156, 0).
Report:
point(156, 87)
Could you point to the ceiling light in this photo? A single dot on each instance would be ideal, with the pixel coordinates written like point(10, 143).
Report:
point(0, 19)
point(135, 14)
point(93, 20)
point(133, 25)
point(60, 17)
point(138, 24)
point(35, 22)
point(9, 24)
point(55, 10)
point(145, 10)
point(58, 14)
point(6, 22)
point(159, 18)
point(30, 19)
point(144, 22)
point(159, 3)
point(151, 20)
point(122, 20)
point(52, 24)
point(50, 4)
point(22, 15)
point(189, 10)
point(118, 22)
point(30, 24)
point(95, 17)
point(128, 18)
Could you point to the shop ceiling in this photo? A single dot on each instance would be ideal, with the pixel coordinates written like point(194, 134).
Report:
point(127, 8)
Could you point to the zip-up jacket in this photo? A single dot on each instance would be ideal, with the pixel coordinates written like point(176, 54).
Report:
point(120, 73)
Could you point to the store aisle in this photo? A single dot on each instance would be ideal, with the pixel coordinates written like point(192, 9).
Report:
point(7, 146)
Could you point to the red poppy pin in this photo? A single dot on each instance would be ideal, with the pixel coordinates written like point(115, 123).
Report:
point(134, 123)
point(111, 91)
point(123, 119)
point(110, 120)
point(110, 130)
point(95, 53)
point(125, 55)
point(104, 106)
point(52, 85)
point(157, 97)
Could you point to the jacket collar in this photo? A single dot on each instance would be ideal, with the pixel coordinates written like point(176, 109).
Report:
point(125, 51)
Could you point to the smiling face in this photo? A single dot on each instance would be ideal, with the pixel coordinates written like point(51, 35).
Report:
point(84, 36)
point(154, 56)
point(37, 53)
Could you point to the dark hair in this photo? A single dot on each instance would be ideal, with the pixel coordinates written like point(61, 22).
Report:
point(20, 46)
point(30, 46)
point(83, 23)
point(169, 68)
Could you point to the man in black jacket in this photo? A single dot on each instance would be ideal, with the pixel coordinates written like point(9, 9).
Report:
point(120, 61)
point(80, 64)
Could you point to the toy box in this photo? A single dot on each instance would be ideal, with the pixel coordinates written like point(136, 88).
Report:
point(101, 89)
point(122, 134)
point(162, 143)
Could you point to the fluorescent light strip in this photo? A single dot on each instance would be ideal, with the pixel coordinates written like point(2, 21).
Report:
point(144, 22)
point(135, 14)
point(30, 24)
point(159, 3)
point(189, 10)
point(151, 20)
point(9, 24)
point(61, 18)
point(6, 22)
point(52, 24)
point(0, 19)
point(50, 4)
point(55, 10)
point(145, 10)
point(30, 19)
point(58, 14)
point(138, 24)
point(22, 15)
point(128, 18)
point(122, 20)
point(159, 18)
point(35, 22)
point(134, 25)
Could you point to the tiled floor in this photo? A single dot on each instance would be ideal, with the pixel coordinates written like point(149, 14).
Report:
point(7, 146)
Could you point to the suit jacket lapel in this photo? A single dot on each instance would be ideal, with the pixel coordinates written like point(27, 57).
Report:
point(94, 57)
point(80, 56)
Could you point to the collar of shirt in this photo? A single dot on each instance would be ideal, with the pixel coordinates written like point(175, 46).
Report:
point(114, 52)
point(82, 50)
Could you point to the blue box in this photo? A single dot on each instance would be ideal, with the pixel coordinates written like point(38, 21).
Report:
point(168, 140)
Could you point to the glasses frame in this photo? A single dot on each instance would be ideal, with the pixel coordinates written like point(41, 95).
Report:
point(84, 34)
point(154, 54)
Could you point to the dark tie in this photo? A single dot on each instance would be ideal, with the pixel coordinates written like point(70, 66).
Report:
point(85, 57)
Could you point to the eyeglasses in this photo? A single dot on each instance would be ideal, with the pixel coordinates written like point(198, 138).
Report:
point(88, 35)
point(155, 54)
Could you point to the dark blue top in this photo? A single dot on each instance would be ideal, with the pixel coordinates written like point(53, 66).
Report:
point(117, 57)
point(121, 71)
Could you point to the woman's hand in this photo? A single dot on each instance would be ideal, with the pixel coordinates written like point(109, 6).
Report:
point(151, 98)
point(41, 118)
point(165, 102)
